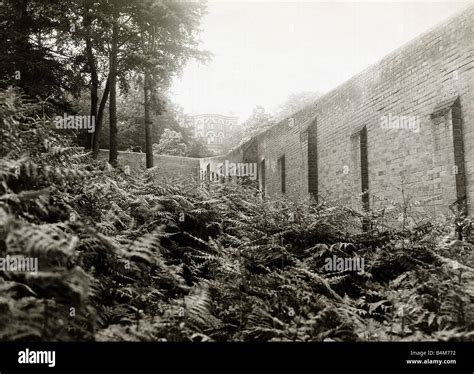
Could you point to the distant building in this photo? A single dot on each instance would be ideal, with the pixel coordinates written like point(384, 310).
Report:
point(213, 129)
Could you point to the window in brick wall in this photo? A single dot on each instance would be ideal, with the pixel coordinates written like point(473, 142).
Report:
point(364, 167)
point(312, 161)
point(262, 177)
point(445, 113)
point(282, 171)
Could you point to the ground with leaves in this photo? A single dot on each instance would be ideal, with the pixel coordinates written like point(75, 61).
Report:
point(135, 258)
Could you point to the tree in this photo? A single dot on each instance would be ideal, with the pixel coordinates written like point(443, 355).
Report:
point(294, 103)
point(109, 35)
point(113, 150)
point(93, 34)
point(130, 117)
point(30, 57)
point(198, 149)
point(95, 38)
point(54, 49)
point(168, 41)
point(259, 121)
point(171, 143)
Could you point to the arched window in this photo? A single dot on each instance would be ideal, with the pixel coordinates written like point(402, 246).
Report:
point(199, 124)
point(210, 137)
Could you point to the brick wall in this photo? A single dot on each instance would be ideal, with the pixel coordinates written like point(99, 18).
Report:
point(428, 86)
point(165, 166)
point(429, 74)
point(214, 168)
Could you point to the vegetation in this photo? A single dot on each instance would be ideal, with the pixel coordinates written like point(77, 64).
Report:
point(294, 103)
point(131, 258)
point(60, 51)
point(173, 143)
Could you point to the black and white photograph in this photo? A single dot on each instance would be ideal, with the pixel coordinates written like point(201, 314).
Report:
point(188, 177)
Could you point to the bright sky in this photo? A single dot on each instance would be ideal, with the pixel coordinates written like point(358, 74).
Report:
point(264, 51)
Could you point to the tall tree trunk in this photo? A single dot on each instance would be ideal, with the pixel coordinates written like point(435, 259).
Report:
point(148, 143)
point(146, 48)
point(94, 87)
point(100, 119)
point(113, 149)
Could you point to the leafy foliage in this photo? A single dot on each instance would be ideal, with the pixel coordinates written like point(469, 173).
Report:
point(131, 258)
point(171, 143)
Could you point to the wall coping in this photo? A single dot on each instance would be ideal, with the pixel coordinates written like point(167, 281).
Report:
point(144, 155)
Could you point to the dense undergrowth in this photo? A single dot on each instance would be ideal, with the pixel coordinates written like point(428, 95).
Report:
point(126, 257)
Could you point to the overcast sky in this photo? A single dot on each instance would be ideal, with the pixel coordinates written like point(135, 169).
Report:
point(264, 51)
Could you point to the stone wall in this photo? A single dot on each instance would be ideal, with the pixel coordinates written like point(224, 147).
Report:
point(165, 166)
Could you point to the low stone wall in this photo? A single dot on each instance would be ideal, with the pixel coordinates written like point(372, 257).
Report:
point(164, 165)
point(176, 167)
